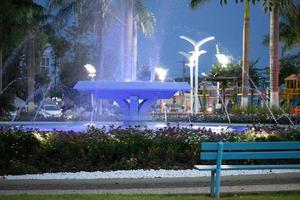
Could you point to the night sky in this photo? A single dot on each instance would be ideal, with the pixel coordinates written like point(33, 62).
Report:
point(175, 18)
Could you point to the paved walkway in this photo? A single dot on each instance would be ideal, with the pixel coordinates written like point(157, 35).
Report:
point(230, 184)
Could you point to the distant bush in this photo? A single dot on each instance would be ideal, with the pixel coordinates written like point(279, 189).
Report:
point(33, 151)
point(237, 115)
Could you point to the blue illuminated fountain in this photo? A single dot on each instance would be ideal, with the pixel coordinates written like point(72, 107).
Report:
point(134, 98)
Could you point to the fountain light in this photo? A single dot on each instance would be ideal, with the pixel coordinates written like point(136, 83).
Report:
point(92, 73)
point(197, 53)
point(162, 73)
point(91, 70)
point(222, 58)
point(209, 109)
point(204, 74)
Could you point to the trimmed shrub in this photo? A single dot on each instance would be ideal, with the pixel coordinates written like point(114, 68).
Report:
point(32, 151)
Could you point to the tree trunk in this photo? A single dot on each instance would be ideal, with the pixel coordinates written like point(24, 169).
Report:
point(128, 43)
point(274, 63)
point(15, 52)
point(98, 57)
point(30, 58)
point(134, 52)
point(1, 70)
point(246, 42)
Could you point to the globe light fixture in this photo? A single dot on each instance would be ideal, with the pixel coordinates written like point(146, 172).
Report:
point(91, 73)
point(222, 58)
point(161, 73)
point(91, 70)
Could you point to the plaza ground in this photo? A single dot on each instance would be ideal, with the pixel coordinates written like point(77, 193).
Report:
point(242, 184)
point(271, 196)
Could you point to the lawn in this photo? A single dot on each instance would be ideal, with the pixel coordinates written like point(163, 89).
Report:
point(276, 196)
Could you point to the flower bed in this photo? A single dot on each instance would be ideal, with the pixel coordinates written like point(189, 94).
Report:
point(235, 118)
point(33, 151)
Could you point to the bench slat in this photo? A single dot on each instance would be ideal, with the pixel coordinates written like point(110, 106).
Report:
point(246, 167)
point(252, 146)
point(251, 155)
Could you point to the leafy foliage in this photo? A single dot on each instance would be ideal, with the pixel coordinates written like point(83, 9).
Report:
point(6, 104)
point(289, 64)
point(234, 70)
point(32, 151)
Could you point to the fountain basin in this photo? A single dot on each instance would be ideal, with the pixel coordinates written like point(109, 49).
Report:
point(134, 98)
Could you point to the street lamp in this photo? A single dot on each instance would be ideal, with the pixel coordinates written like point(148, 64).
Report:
point(91, 73)
point(224, 61)
point(161, 73)
point(191, 64)
point(222, 58)
point(197, 51)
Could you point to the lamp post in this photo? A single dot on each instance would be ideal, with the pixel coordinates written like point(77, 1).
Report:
point(91, 73)
point(197, 51)
point(193, 57)
point(191, 64)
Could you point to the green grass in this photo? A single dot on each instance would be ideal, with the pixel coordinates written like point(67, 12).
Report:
point(273, 196)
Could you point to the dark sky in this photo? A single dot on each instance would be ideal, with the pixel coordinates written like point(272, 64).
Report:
point(175, 18)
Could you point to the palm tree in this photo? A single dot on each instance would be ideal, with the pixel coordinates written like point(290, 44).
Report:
point(246, 45)
point(11, 30)
point(33, 18)
point(289, 32)
point(274, 6)
point(19, 16)
point(136, 16)
point(97, 11)
point(246, 52)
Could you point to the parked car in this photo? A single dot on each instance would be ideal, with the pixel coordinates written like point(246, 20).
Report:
point(50, 110)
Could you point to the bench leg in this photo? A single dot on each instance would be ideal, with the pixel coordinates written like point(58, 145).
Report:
point(212, 183)
point(218, 180)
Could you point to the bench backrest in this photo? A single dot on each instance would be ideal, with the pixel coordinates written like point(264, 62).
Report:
point(249, 150)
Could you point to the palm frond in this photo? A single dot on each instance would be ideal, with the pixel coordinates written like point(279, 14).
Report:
point(145, 19)
point(266, 40)
point(196, 3)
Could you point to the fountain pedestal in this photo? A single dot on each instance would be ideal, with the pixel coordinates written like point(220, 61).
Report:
point(134, 98)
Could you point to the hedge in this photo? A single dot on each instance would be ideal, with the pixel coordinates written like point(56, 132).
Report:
point(34, 151)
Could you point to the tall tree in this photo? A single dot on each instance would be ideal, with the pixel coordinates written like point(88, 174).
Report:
point(11, 30)
point(136, 16)
point(289, 31)
point(246, 45)
point(96, 12)
point(274, 7)
point(34, 18)
point(20, 22)
point(246, 52)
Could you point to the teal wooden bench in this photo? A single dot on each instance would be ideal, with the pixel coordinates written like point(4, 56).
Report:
point(219, 151)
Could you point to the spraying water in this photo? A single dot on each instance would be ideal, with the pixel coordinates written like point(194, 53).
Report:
point(223, 103)
point(42, 102)
point(268, 107)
